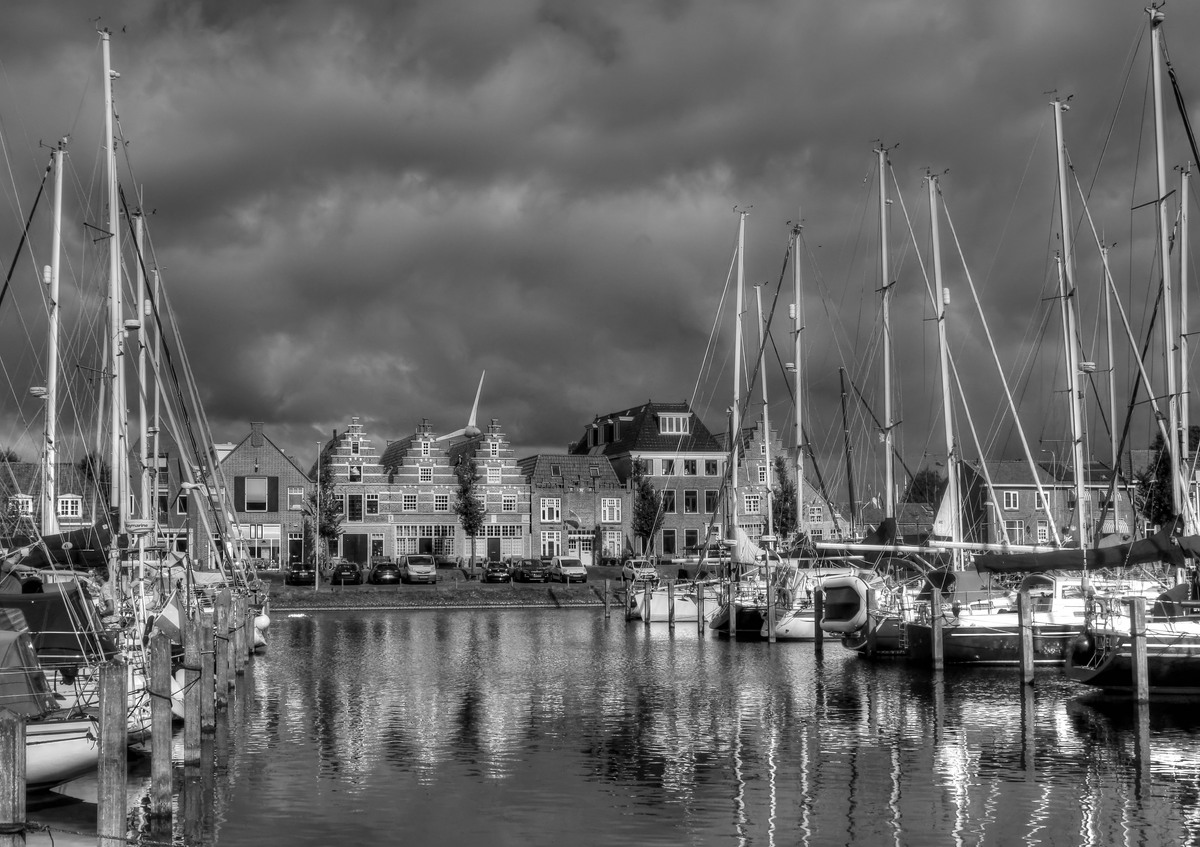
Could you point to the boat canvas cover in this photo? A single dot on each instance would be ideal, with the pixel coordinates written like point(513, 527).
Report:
point(64, 625)
point(23, 687)
point(89, 548)
point(1167, 546)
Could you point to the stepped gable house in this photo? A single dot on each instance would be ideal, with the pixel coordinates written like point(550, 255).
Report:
point(422, 488)
point(505, 494)
point(682, 458)
point(579, 507)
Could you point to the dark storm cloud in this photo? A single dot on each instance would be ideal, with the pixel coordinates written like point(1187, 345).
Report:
point(361, 206)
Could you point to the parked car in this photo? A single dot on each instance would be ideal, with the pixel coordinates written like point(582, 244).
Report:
point(384, 572)
point(346, 573)
point(531, 570)
point(300, 573)
point(639, 571)
point(567, 569)
point(495, 572)
point(418, 567)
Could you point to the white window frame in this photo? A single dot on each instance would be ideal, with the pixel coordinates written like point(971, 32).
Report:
point(1015, 530)
point(816, 514)
point(610, 510)
point(494, 448)
point(441, 502)
point(668, 467)
point(424, 449)
point(354, 473)
point(371, 505)
point(69, 506)
point(181, 504)
point(669, 424)
point(295, 495)
point(425, 474)
point(24, 504)
point(551, 510)
point(751, 503)
point(1012, 501)
point(508, 503)
point(494, 475)
point(762, 474)
point(355, 447)
point(408, 502)
point(1043, 532)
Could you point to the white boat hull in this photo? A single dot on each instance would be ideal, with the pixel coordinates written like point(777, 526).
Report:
point(687, 608)
point(59, 750)
point(796, 626)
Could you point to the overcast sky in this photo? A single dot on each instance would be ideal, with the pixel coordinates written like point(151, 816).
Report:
point(360, 206)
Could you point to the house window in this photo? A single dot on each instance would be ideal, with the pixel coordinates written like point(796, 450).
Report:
point(425, 474)
point(816, 533)
point(424, 449)
point(162, 505)
point(508, 503)
point(712, 500)
point(610, 510)
point(673, 424)
point(354, 507)
point(668, 501)
point(355, 473)
point(409, 502)
point(690, 501)
point(648, 465)
point(1012, 500)
point(1015, 529)
point(256, 494)
point(710, 467)
point(295, 501)
point(1043, 532)
point(181, 505)
point(441, 502)
point(1039, 501)
point(551, 543)
point(494, 448)
point(354, 448)
point(668, 467)
point(689, 467)
point(556, 470)
point(762, 448)
point(551, 510)
point(816, 514)
point(752, 503)
point(24, 504)
point(373, 505)
point(762, 474)
point(493, 475)
point(668, 542)
point(691, 539)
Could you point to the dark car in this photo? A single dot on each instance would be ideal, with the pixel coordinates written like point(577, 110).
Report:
point(384, 572)
point(346, 573)
point(531, 570)
point(495, 572)
point(300, 573)
point(418, 568)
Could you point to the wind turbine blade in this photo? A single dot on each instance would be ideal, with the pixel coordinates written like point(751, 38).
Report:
point(475, 408)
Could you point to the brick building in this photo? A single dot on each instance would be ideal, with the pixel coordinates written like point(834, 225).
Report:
point(579, 507)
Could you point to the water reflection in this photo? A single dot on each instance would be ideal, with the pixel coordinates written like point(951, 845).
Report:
point(549, 727)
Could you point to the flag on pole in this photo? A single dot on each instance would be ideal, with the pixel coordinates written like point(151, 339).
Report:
point(170, 619)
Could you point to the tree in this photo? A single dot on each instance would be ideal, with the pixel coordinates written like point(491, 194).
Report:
point(9, 455)
point(329, 518)
point(926, 487)
point(785, 514)
point(647, 503)
point(469, 506)
point(1154, 497)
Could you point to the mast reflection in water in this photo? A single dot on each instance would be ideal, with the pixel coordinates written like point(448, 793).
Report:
point(558, 727)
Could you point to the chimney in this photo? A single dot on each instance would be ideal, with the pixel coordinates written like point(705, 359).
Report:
point(256, 435)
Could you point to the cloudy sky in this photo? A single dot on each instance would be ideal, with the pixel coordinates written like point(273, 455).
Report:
point(359, 206)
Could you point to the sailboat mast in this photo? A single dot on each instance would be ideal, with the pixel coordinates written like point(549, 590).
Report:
point(942, 299)
point(735, 420)
point(49, 508)
point(116, 335)
point(1185, 445)
point(1112, 369)
point(886, 289)
point(1178, 490)
point(849, 461)
point(797, 364)
point(769, 538)
point(1067, 294)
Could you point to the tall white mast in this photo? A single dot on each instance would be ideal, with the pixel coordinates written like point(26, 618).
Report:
point(117, 499)
point(766, 418)
point(1184, 416)
point(797, 365)
point(1067, 294)
point(942, 297)
point(735, 421)
point(1178, 490)
point(50, 471)
point(886, 290)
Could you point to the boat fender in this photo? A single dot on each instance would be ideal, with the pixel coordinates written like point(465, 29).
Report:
point(1083, 647)
point(262, 621)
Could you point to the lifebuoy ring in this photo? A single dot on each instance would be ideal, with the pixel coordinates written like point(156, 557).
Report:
point(845, 604)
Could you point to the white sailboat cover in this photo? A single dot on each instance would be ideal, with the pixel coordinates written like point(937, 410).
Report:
point(744, 550)
point(943, 522)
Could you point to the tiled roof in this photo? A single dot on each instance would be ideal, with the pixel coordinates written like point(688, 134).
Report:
point(538, 470)
point(26, 478)
point(638, 432)
point(1016, 472)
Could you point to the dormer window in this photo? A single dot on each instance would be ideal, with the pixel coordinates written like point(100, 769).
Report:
point(673, 424)
point(556, 470)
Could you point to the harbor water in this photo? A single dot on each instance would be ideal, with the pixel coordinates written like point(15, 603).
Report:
point(558, 727)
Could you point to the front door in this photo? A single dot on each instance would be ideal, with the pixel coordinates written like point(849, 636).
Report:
point(493, 549)
point(354, 547)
